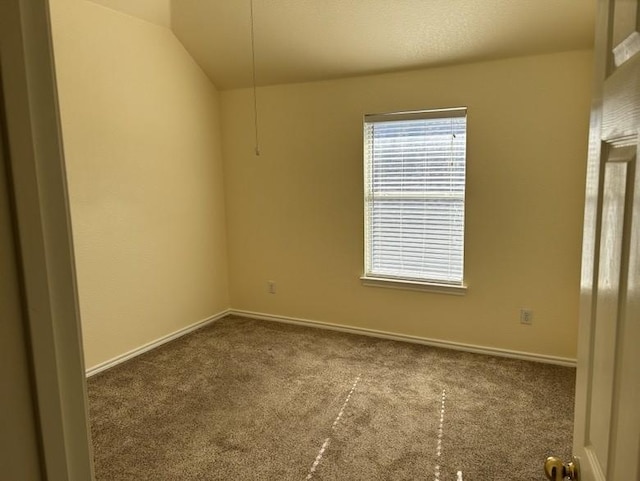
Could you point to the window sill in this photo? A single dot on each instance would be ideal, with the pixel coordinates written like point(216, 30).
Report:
point(413, 285)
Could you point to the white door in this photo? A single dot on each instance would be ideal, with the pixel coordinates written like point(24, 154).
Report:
point(607, 417)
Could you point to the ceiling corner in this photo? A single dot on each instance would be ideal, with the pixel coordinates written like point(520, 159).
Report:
point(153, 11)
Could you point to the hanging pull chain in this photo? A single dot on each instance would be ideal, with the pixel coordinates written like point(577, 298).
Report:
point(253, 71)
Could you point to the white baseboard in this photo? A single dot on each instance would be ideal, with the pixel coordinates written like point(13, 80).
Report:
point(103, 366)
point(526, 356)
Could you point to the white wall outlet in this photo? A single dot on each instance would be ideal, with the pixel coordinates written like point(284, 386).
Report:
point(526, 316)
point(271, 287)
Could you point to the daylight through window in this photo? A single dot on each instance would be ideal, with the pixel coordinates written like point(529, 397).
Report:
point(415, 166)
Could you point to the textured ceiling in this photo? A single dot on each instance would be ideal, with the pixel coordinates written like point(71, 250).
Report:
point(303, 40)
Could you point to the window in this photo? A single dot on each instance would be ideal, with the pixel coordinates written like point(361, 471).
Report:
point(414, 165)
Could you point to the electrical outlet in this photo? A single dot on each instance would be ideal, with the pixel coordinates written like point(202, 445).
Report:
point(271, 287)
point(526, 316)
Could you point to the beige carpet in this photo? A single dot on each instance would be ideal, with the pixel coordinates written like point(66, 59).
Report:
point(253, 400)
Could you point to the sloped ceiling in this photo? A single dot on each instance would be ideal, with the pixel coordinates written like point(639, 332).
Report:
point(304, 40)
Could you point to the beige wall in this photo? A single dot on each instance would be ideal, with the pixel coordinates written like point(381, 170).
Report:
point(142, 145)
point(295, 214)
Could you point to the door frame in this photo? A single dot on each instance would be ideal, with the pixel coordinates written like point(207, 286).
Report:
point(38, 191)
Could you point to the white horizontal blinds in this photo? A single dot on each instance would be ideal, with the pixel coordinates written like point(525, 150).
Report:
point(414, 195)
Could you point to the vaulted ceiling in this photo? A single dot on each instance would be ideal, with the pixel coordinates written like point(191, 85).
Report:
point(304, 40)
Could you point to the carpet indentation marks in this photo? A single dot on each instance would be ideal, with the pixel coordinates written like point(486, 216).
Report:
point(325, 445)
point(436, 470)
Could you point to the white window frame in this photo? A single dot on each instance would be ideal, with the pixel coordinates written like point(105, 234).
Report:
point(377, 279)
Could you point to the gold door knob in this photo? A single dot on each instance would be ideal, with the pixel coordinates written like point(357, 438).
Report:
point(556, 470)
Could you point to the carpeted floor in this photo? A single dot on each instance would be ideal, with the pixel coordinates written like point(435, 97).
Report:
point(253, 400)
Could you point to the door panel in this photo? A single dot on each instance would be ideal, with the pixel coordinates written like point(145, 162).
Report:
point(625, 20)
point(625, 446)
point(621, 107)
point(615, 179)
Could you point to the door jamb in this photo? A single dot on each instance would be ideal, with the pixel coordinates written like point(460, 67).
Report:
point(39, 188)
